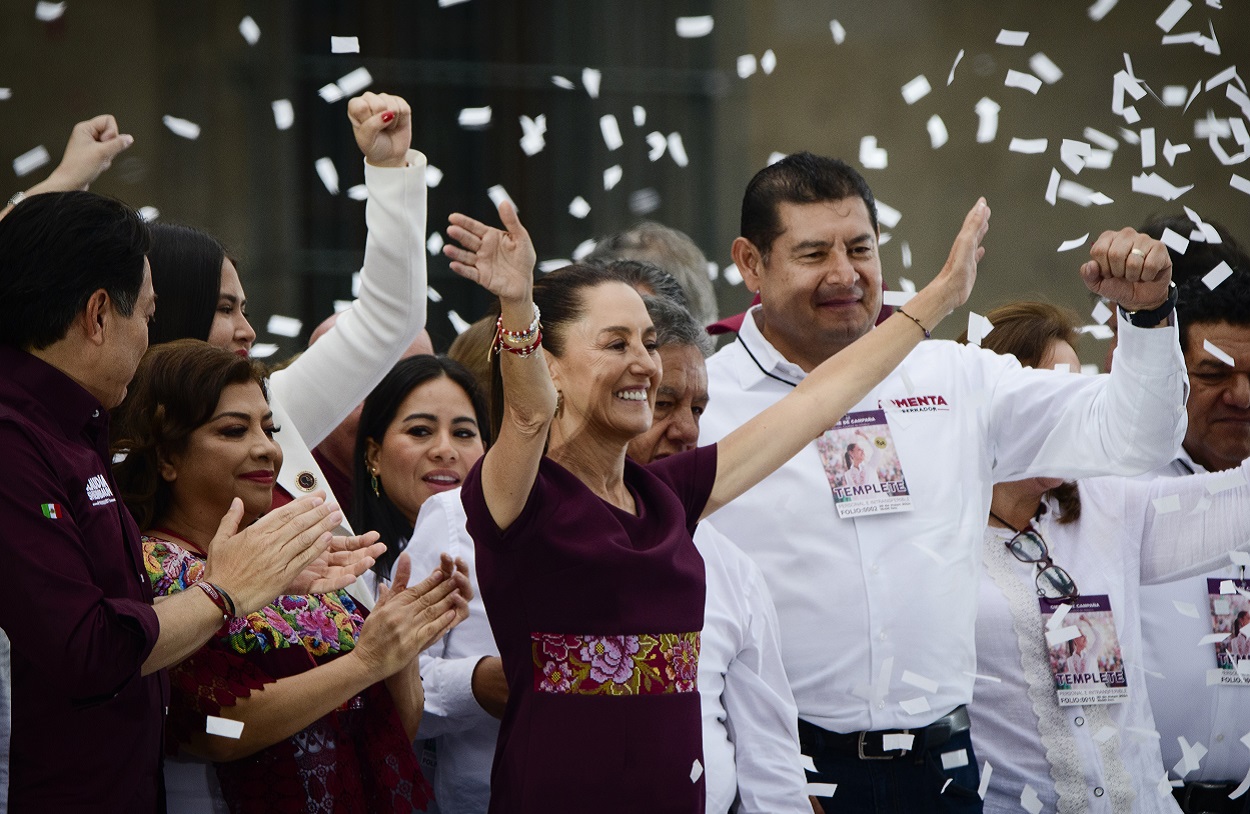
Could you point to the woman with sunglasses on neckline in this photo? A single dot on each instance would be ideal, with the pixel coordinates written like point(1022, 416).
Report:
point(1058, 618)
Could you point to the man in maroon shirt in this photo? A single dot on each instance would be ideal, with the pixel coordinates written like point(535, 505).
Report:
point(88, 647)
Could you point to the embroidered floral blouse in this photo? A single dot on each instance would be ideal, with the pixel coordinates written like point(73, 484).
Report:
point(355, 759)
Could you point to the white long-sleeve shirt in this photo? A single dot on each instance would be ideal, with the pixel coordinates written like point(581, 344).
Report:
point(874, 608)
point(1120, 542)
point(1185, 705)
point(750, 737)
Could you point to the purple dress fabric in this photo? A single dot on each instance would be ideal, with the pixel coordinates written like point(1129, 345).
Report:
point(597, 613)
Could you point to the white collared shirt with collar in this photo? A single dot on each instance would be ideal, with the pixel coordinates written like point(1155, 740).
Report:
point(874, 609)
point(1184, 705)
point(750, 739)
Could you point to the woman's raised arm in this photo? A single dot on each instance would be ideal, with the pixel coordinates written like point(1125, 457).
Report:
point(756, 449)
point(502, 262)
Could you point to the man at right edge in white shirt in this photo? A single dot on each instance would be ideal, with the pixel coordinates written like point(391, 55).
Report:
point(877, 609)
point(1185, 704)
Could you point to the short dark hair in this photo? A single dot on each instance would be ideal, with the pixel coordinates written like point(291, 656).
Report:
point(799, 178)
point(175, 390)
point(186, 273)
point(1200, 257)
point(675, 325)
point(1228, 302)
point(372, 512)
point(640, 273)
point(671, 250)
point(59, 248)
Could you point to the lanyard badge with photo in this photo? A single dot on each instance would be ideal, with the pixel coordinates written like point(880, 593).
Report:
point(1083, 651)
point(863, 467)
point(1230, 630)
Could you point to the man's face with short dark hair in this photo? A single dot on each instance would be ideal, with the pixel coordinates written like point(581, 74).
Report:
point(1219, 400)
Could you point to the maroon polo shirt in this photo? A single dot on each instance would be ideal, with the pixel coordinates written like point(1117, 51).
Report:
point(86, 728)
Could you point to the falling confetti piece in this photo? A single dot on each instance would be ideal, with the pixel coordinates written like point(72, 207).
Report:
point(1046, 70)
point(612, 176)
point(284, 326)
point(677, 150)
point(1006, 37)
point(224, 727)
point(249, 30)
point(182, 127)
point(987, 126)
point(937, 131)
point(1218, 353)
point(344, 45)
point(433, 176)
point(746, 65)
point(149, 213)
point(591, 77)
point(498, 195)
point(951, 76)
point(640, 115)
point(1074, 243)
point(1025, 81)
point(1217, 275)
point(283, 114)
point(47, 12)
point(693, 27)
point(916, 89)
point(839, 33)
point(31, 160)
point(328, 174)
point(472, 118)
point(768, 62)
point(578, 208)
point(611, 131)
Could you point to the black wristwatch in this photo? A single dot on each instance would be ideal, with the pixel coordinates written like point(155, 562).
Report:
point(1151, 318)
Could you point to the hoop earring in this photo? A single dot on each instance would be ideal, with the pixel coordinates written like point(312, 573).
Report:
point(559, 403)
point(373, 481)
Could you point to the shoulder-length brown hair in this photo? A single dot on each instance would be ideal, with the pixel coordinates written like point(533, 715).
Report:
point(1026, 330)
point(174, 391)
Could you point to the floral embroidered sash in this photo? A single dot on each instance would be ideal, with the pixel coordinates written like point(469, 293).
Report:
point(645, 664)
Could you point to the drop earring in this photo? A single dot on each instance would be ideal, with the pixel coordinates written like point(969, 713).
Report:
point(373, 482)
point(559, 403)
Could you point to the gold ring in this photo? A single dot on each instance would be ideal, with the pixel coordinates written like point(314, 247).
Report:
point(1138, 252)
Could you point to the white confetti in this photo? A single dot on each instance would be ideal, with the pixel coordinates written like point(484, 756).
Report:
point(578, 207)
point(896, 298)
point(1174, 95)
point(1019, 79)
point(677, 150)
point(987, 124)
point(905, 249)
point(1029, 800)
point(1052, 187)
point(328, 174)
point(916, 89)
point(951, 76)
point(182, 127)
point(693, 27)
point(1028, 145)
point(806, 763)
point(284, 326)
point(331, 92)
point(149, 213)
point(344, 45)
point(433, 176)
point(986, 771)
point(591, 77)
point(1240, 790)
point(1173, 14)
point(355, 81)
point(1046, 70)
point(6, 93)
point(1101, 139)
point(732, 275)
point(1074, 243)
point(887, 215)
point(1105, 734)
point(955, 759)
point(1176, 242)
point(358, 192)
point(696, 771)
point(640, 115)
point(47, 12)
point(563, 82)
point(937, 131)
point(283, 114)
point(896, 742)
point(1217, 353)
point(1006, 37)
point(584, 248)
point(611, 131)
point(1056, 620)
point(447, 3)
point(612, 176)
point(1154, 184)
point(822, 790)
point(1101, 8)
point(1241, 558)
point(249, 30)
point(1227, 588)
point(872, 156)
point(342, 305)
point(498, 195)
point(1167, 504)
point(435, 244)
point(1212, 638)
point(1147, 147)
point(1217, 275)
point(919, 681)
point(1185, 608)
point(458, 322)
point(31, 160)
point(768, 61)
point(1171, 151)
point(915, 706)
point(979, 327)
point(1239, 183)
point(658, 144)
point(1062, 367)
point(533, 134)
point(746, 65)
point(838, 32)
point(774, 157)
point(224, 727)
point(475, 117)
point(1074, 154)
point(1063, 634)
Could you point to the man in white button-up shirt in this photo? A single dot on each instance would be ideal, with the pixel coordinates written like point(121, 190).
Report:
point(877, 607)
point(1185, 703)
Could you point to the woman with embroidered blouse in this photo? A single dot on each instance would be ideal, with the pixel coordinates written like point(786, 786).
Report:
point(585, 560)
point(310, 703)
point(1068, 701)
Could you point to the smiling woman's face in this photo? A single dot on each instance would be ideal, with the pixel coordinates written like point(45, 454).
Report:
point(429, 446)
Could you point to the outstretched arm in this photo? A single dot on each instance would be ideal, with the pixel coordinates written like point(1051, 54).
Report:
point(756, 449)
point(91, 148)
point(503, 263)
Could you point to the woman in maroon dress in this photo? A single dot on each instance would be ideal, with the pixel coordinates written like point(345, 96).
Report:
point(585, 560)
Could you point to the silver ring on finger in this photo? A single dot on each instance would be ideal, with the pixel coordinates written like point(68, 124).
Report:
point(1138, 252)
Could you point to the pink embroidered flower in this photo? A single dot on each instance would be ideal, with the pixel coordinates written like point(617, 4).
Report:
point(682, 661)
point(316, 625)
point(557, 645)
point(279, 624)
point(556, 677)
point(610, 657)
point(290, 604)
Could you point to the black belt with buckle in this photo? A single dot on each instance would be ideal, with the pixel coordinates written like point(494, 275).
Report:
point(1197, 797)
point(871, 745)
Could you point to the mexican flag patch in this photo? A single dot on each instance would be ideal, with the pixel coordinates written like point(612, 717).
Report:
point(53, 511)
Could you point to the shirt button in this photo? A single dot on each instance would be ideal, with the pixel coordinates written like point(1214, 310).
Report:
point(1079, 721)
point(881, 636)
point(1219, 738)
point(880, 705)
point(95, 414)
point(1098, 791)
point(873, 569)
